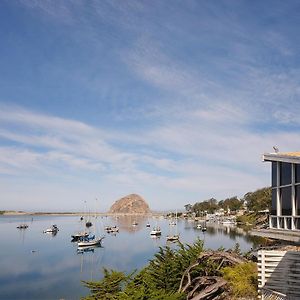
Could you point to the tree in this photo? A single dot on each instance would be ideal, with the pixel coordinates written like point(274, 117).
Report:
point(232, 203)
point(188, 207)
point(210, 206)
point(259, 200)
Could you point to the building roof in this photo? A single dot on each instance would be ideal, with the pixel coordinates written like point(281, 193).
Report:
point(291, 157)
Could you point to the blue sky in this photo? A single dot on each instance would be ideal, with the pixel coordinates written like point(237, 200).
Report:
point(174, 100)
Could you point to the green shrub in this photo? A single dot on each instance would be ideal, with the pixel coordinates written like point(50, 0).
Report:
point(242, 279)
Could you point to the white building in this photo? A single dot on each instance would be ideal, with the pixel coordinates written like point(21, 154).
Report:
point(285, 212)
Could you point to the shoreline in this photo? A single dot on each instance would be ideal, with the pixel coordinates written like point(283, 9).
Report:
point(23, 213)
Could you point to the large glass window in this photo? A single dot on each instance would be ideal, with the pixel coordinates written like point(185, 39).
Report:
point(274, 203)
point(286, 201)
point(297, 199)
point(274, 222)
point(285, 173)
point(288, 223)
point(297, 169)
point(281, 223)
point(274, 173)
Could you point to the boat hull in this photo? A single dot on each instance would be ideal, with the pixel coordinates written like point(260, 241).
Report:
point(90, 243)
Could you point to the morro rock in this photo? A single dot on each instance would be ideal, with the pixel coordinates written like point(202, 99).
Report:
point(131, 204)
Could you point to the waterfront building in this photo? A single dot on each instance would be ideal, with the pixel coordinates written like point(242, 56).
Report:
point(285, 212)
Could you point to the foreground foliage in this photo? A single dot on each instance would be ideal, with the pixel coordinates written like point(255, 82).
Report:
point(159, 280)
point(177, 274)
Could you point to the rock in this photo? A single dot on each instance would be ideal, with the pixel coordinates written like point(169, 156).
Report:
point(131, 204)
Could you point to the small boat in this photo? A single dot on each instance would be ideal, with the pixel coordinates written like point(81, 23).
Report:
point(90, 242)
point(79, 235)
point(156, 231)
point(52, 229)
point(135, 223)
point(81, 218)
point(88, 224)
point(199, 226)
point(228, 222)
point(22, 226)
point(148, 225)
point(203, 229)
point(173, 238)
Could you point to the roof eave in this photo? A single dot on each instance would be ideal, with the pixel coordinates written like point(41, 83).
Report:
point(280, 157)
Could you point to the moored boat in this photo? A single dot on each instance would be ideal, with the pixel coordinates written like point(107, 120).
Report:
point(92, 242)
point(77, 236)
point(52, 229)
point(173, 238)
point(156, 231)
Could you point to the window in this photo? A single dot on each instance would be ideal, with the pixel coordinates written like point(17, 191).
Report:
point(274, 174)
point(274, 203)
point(286, 201)
point(288, 223)
point(281, 223)
point(274, 222)
point(297, 169)
point(285, 173)
point(297, 199)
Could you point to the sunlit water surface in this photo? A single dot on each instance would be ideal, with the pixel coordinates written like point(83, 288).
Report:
point(36, 265)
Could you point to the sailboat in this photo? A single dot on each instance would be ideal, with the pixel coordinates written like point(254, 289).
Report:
point(52, 229)
point(173, 237)
point(22, 225)
point(88, 222)
point(156, 231)
point(90, 240)
point(204, 227)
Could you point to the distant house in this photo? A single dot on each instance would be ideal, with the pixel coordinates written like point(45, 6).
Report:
point(285, 212)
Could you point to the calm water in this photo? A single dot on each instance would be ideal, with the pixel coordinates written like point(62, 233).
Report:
point(34, 265)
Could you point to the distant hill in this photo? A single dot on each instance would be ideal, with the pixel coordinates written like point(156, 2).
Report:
point(131, 204)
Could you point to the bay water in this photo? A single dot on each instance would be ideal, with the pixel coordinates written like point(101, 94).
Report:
point(37, 265)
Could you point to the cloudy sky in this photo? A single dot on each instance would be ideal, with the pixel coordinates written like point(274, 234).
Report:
point(173, 100)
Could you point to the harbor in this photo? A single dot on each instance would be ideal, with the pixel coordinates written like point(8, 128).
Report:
point(37, 265)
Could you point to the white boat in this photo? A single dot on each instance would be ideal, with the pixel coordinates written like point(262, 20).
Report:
point(79, 235)
point(88, 243)
point(52, 229)
point(148, 225)
point(156, 231)
point(228, 222)
point(199, 226)
point(173, 238)
point(134, 223)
